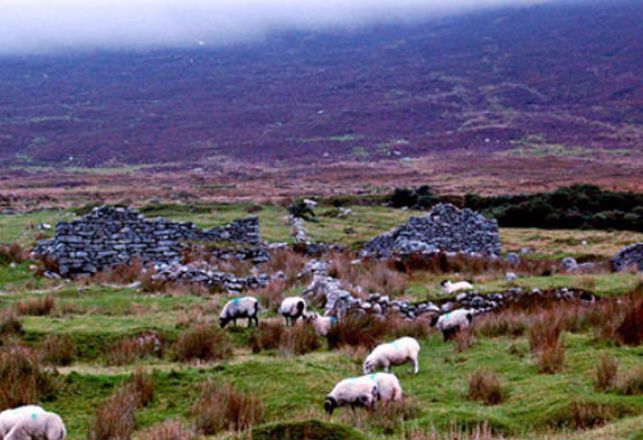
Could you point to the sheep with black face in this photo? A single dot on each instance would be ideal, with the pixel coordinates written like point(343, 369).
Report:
point(401, 351)
point(354, 392)
point(292, 309)
point(245, 307)
point(453, 322)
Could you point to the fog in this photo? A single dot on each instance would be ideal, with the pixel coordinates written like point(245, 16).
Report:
point(37, 26)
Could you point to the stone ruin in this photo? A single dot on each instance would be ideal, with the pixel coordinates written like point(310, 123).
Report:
point(110, 236)
point(444, 229)
point(630, 256)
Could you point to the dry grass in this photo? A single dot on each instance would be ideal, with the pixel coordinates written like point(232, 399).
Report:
point(630, 331)
point(270, 297)
point(505, 323)
point(546, 342)
point(22, 378)
point(481, 432)
point(583, 415)
point(357, 330)
point(463, 340)
point(57, 350)
point(631, 384)
point(12, 253)
point(267, 336)
point(142, 385)
point(131, 349)
point(606, 373)
point(40, 306)
point(373, 275)
point(121, 274)
point(202, 342)
point(287, 261)
point(10, 323)
point(297, 340)
point(222, 407)
point(173, 429)
point(485, 386)
point(389, 416)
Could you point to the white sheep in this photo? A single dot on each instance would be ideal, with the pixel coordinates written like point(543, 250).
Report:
point(398, 352)
point(453, 322)
point(450, 287)
point(388, 387)
point(356, 391)
point(9, 417)
point(292, 309)
point(246, 307)
point(37, 425)
point(321, 324)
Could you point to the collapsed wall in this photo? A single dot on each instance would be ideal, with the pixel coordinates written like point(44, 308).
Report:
point(109, 236)
point(444, 229)
point(630, 256)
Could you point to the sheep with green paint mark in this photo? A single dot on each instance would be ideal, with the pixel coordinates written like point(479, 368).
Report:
point(32, 423)
point(401, 351)
point(245, 307)
point(389, 388)
point(354, 392)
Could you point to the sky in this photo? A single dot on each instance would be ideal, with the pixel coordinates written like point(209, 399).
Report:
point(40, 26)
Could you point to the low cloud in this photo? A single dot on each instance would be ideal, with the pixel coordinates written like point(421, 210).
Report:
point(37, 26)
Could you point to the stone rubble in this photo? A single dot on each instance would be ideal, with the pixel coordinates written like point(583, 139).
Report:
point(444, 229)
point(630, 256)
point(209, 277)
point(109, 236)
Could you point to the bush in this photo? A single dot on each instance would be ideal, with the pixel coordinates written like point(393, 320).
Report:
point(128, 350)
point(173, 429)
point(36, 306)
point(485, 387)
point(356, 330)
point(202, 342)
point(10, 324)
point(22, 379)
point(57, 350)
point(632, 383)
point(300, 339)
point(606, 374)
point(222, 407)
point(267, 336)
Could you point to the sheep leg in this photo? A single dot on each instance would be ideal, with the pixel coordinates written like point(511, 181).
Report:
point(416, 366)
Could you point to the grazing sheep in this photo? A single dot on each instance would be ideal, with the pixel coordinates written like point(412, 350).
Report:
point(356, 392)
point(321, 324)
point(453, 322)
point(246, 307)
point(38, 426)
point(389, 388)
point(292, 309)
point(9, 417)
point(450, 287)
point(398, 352)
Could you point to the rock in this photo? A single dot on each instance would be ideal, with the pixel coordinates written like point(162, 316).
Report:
point(510, 276)
point(569, 263)
point(630, 256)
point(513, 258)
point(444, 229)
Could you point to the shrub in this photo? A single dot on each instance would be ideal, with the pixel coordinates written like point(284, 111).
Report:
point(485, 387)
point(606, 373)
point(504, 323)
point(632, 383)
point(12, 253)
point(545, 339)
point(22, 378)
point(583, 415)
point(142, 385)
point(10, 324)
point(202, 342)
point(630, 331)
point(267, 336)
point(355, 330)
point(173, 429)
point(300, 339)
point(222, 407)
point(57, 350)
point(114, 418)
point(130, 349)
point(40, 306)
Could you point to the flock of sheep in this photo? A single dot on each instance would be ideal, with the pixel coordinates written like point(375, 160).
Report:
point(32, 422)
point(373, 386)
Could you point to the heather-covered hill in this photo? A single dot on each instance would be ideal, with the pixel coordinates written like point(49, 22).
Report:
point(561, 80)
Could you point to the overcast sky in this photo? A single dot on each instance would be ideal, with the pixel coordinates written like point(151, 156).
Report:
point(33, 26)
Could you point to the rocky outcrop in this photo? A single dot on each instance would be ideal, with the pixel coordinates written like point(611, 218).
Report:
point(444, 229)
point(109, 236)
point(630, 256)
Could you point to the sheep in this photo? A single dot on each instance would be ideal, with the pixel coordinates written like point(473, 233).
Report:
point(9, 417)
point(38, 426)
point(355, 391)
point(388, 387)
point(398, 352)
point(292, 309)
point(321, 324)
point(246, 307)
point(450, 287)
point(453, 322)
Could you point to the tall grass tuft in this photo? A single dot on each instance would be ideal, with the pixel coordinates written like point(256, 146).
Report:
point(485, 386)
point(631, 384)
point(357, 330)
point(40, 306)
point(606, 373)
point(545, 341)
point(23, 380)
point(267, 336)
point(172, 429)
point(222, 407)
point(10, 323)
point(57, 350)
point(202, 342)
point(130, 349)
point(297, 340)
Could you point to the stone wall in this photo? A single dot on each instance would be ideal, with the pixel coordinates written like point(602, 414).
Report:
point(444, 229)
point(630, 256)
point(110, 236)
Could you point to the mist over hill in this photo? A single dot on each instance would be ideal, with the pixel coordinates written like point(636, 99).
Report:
point(562, 76)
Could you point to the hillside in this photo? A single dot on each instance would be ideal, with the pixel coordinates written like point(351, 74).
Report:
point(547, 80)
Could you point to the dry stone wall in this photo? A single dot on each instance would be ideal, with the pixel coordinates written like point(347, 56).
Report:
point(630, 256)
point(444, 229)
point(109, 236)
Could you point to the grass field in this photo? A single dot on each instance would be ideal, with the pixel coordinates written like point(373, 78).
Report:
point(536, 405)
